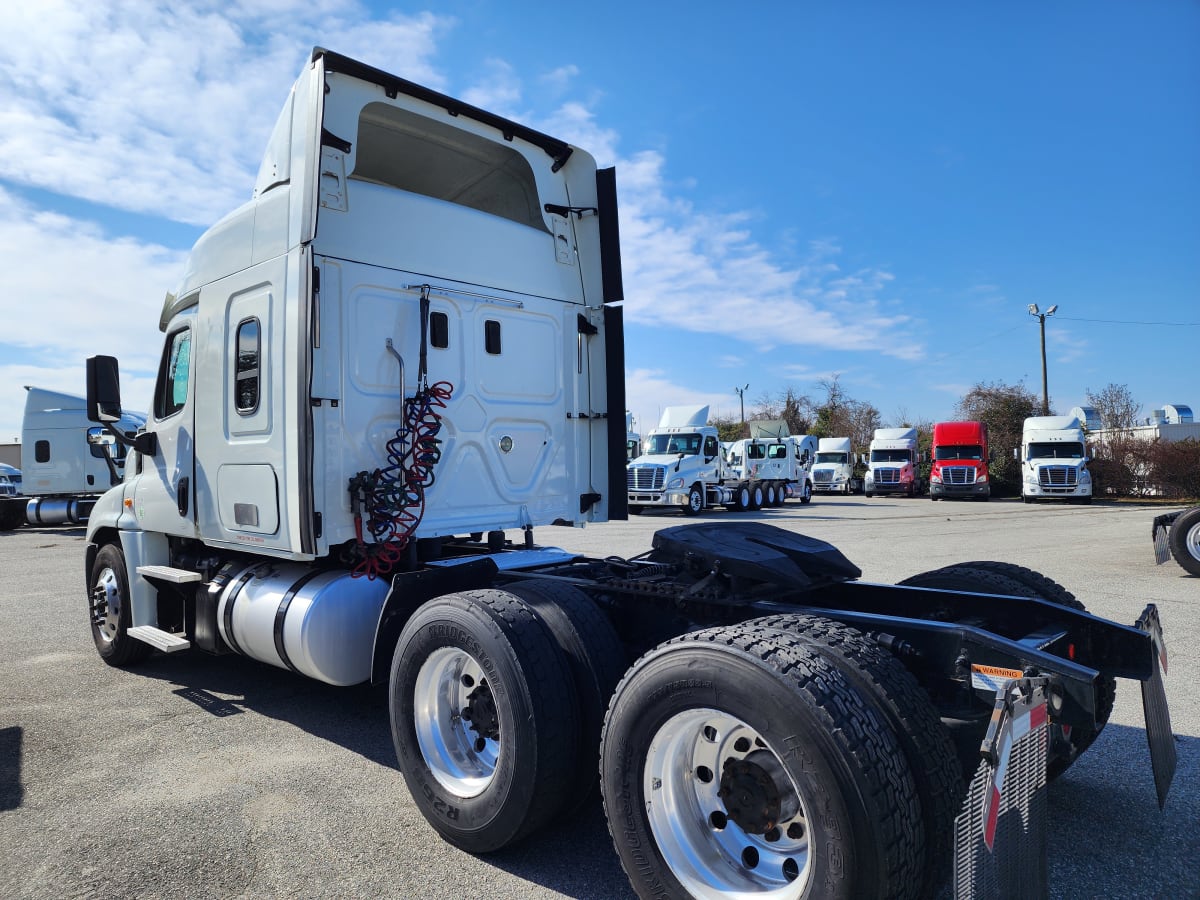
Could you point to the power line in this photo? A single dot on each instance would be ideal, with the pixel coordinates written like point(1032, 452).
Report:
point(1123, 322)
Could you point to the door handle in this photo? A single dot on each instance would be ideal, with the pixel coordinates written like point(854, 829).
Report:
point(181, 495)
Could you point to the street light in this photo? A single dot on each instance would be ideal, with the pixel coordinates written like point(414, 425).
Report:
point(741, 392)
point(1041, 317)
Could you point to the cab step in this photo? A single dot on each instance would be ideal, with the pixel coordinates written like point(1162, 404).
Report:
point(156, 637)
point(167, 573)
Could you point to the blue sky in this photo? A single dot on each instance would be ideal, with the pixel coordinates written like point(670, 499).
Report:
point(875, 191)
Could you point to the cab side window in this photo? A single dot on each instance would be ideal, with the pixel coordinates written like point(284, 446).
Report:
point(171, 392)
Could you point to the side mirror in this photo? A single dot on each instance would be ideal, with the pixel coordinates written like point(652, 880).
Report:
point(103, 389)
point(1017, 453)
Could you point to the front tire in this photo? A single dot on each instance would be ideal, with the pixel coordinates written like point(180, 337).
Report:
point(110, 612)
point(484, 718)
point(695, 501)
point(806, 496)
point(1184, 540)
point(734, 763)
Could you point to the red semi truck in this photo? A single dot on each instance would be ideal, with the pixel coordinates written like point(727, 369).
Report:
point(960, 461)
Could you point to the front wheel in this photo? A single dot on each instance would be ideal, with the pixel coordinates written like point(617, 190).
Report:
point(485, 719)
point(806, 495)
point(1185, 540)
point(695, 501)
point(110, 612)
point(772, 775)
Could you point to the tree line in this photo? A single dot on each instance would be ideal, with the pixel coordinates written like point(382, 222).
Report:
point(1123, 465)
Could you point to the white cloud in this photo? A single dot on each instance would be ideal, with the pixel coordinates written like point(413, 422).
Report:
point(72, 291)
point(165, 108)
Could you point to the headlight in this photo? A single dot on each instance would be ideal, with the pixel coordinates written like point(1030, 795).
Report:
point(935, 479)
point(1084, 476)
point(675, 483)
point(982, 476)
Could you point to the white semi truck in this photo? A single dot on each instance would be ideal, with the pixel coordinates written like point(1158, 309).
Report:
point(67, 461)
point(1054, 459)
point(633, 440)
point(892, 464)
point(777, 460)
point(833, 471)
point(682, 466)
point(404, 346)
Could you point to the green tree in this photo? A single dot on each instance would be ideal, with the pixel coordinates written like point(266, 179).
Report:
point(1004, 409)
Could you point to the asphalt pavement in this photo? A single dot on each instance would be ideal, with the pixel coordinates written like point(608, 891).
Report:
point(197, 776)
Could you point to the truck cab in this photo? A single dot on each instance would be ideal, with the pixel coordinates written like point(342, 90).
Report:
point(680, 459)
point(960, 461)
point(1054, 460)
point(833, 467)
point(892, 464)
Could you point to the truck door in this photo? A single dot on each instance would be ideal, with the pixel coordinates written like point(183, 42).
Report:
point(164, 498)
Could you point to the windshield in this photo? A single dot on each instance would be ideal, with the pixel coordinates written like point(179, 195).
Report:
point(958, 451)
point(1065, 450)
point(900, 456)
point(688, 444)
point(839, 458)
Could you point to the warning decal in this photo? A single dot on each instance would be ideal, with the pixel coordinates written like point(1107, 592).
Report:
point(991, 678)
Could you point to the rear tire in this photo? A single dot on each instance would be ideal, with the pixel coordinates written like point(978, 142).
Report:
point(12, 512)
point(1184, 540)
point(737, 761)
point(985, 576)
point(596, 657)
point(927, 746)
point(109, 610)
point(484, 718)
point(756, 496)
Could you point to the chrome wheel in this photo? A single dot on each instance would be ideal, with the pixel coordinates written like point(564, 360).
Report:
point(456, 722)
point(106, 605)
point(725, 814)
point(1191, 541)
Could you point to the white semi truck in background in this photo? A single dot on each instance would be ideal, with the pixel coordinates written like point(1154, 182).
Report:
point(403, 346)
point(633, 440)
point(67, 461)
point(682, 466)
point(777, 460)
point(1054, 457)
point(892, 463)
point(833, 471)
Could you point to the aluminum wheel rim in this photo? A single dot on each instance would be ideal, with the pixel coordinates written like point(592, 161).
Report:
point(710, 854)
point(1192, 541)
point(462, 760)
point(106, 605)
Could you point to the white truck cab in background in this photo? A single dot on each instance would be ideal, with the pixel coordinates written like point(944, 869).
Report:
point(833, 470)
point(892, 465)
point(777, 459)
point(67, 461)
point(1053, 457)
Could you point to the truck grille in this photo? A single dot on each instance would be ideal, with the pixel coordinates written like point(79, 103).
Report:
point(887, 476)
point(822, 476)
point(1058, 476)
point(958, 475)
point(646, 478)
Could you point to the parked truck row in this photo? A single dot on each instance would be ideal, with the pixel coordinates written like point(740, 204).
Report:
point(343, 428)
point(684, 466)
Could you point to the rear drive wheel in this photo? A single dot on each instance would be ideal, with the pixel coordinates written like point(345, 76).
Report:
point(110, 612)
point(742, 499)
point(738, 762)
point(484, 718)
point(769, 494)
point(595, 656)
point(912, 716)
point(1184, 540)
point(989, 577)
point(756, 496)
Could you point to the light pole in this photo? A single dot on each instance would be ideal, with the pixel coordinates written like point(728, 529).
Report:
point(1041, 317)
point(741, 392)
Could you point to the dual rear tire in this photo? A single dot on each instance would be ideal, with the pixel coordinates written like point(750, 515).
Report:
point(496, 699)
